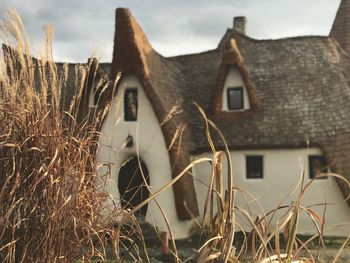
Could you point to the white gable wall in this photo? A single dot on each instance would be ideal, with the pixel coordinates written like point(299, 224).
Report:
point(282, 171)
point(149, 144)
point(234, 79)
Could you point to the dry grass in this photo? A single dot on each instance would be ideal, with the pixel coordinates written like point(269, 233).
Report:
point(51, 209)
point(50, 194)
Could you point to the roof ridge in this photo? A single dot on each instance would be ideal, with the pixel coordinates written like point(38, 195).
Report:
point(232, 31)
point(193, 54)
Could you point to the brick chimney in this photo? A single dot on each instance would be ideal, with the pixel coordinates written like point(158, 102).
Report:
point(239, 24)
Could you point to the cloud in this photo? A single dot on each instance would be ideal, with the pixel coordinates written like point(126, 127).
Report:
point(173, 27)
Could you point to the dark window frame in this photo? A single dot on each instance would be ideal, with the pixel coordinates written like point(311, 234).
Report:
point(128, 115)
point(249, 167)
point(324, 167)
point(97, 93)
point(231, 107)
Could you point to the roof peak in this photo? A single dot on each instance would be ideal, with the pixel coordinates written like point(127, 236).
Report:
point(130, 43)
point(341, 26)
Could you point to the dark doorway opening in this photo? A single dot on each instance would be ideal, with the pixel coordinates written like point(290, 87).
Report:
point(133, 185)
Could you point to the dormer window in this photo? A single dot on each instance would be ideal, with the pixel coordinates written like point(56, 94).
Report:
point(130, 104)
point(235, 92)
point(235, 98)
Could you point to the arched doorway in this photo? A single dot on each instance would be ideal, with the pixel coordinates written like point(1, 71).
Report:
point(132, 184)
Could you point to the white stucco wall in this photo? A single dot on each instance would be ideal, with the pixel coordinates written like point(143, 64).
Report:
point(234, 79)
point(282, 171)
point(149, 144)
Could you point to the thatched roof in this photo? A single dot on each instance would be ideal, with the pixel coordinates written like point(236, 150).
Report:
point(341, 26)
point(298, 89)
point(302, 88)
point(134, 55)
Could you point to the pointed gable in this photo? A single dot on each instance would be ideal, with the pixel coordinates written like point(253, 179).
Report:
point(161, 80)
point(233, 58)
point(131, 46)
point(341, 26)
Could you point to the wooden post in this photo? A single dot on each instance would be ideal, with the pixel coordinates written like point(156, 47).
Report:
point(165, 243)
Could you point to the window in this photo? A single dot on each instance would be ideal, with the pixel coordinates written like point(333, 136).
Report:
point(317, 165)
point(254, 167)
point(130, 105)
point(98, 92)
point(235, 98)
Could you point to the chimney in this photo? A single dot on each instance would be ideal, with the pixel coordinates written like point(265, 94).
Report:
point(239, 24)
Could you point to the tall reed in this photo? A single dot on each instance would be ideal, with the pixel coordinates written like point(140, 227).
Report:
point(50, 207)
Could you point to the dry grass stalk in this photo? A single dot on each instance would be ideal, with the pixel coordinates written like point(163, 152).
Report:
point(222, 225)
point(50, 206)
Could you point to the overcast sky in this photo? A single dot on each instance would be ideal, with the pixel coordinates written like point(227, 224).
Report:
point(173, 27)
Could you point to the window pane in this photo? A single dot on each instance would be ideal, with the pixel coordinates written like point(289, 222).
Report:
point(130, 105)
point(254, 166)
point(317, 165)
point(235, 98)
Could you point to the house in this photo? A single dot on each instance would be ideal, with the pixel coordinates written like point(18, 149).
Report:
point(282, 106)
